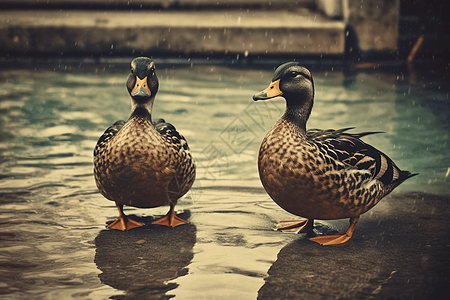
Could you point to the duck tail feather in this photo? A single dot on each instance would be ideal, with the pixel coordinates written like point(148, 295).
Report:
point(360, 135)
point(409, 174)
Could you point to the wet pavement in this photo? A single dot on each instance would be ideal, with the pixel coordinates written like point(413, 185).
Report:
point(388, 257)
point(400, 251)
point(54, 241)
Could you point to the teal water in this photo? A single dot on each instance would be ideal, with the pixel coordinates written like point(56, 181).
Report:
point(53, 217)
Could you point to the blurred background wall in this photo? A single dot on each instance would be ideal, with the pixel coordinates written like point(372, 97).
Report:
point(351, 29)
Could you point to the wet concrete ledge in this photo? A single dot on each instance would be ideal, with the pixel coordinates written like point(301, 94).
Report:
point(169, 32)
point(399, 251)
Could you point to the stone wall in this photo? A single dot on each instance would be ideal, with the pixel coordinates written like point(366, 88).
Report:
point(375, 22)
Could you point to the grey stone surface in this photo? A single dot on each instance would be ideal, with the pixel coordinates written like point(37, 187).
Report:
point(299, 32)
point(399, 252)
point(375, 23)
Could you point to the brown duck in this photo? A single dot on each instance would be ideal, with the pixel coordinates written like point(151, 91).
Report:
point(140, 163)
point(319, 174)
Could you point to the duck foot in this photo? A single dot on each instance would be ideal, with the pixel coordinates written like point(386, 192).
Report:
point(171, 219)
point(123, 222)
point(337, 239)
point(297, 226)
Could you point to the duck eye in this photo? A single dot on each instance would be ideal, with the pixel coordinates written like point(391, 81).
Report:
point(295, 74)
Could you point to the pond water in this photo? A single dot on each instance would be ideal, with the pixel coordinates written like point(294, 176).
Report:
point(54, 244)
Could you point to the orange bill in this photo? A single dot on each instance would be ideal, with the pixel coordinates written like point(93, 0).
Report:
point(271, 92)
point(141, 88)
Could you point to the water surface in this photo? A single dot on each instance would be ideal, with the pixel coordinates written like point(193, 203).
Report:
point(54, 241)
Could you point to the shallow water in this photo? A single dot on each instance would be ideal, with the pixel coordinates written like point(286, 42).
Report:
point(54, 241)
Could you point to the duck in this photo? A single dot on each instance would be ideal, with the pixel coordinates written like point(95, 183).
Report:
point(319, 174)
point(142, 163)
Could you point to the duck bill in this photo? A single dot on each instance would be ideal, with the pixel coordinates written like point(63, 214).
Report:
point(140, 88)
point(271, 92)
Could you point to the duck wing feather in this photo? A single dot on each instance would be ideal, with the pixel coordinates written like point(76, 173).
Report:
point(350, 150)
point(169, 133)
point(109, 133)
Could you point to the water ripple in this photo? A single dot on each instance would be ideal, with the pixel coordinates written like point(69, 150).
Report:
point(53, 218)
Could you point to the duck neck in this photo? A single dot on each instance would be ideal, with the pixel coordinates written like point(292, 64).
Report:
point(143, 110)
point(298, 114)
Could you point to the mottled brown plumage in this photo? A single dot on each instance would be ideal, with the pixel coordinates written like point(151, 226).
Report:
point(319, 174)
point(140, 163)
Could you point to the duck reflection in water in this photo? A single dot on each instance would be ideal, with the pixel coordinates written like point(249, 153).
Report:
point(141, 261)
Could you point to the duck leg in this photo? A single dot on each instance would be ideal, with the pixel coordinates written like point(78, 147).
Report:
point(171, 219)
point(337, 239)
point(297, 226)
point(123, 222)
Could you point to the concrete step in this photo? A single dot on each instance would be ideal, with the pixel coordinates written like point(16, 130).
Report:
point(164, 4)
point(170, 32)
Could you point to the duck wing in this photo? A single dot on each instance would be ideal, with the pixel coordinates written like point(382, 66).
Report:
point(108, 135)
point(350, 150)
point(171, 135)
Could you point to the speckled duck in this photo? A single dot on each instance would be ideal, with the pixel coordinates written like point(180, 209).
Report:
point(140, 163)
point(319, 174)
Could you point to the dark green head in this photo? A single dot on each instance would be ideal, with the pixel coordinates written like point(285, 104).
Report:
point(291, 81)
point(142, 83)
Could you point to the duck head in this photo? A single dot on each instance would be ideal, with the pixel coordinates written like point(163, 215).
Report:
point(142, 83)
point(293, 82)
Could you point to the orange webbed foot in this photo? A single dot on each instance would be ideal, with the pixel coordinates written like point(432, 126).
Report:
point(337, 239)
point(171, 219)
point(297, 226)
point(124, 223)
point(334, 239)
